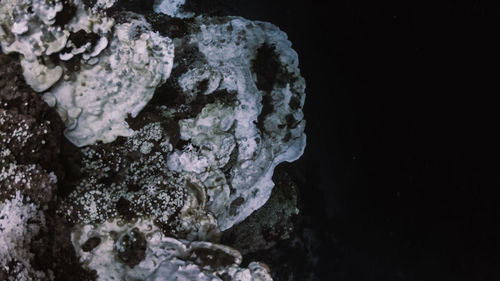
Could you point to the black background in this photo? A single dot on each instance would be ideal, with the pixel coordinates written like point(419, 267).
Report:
point(401, 167)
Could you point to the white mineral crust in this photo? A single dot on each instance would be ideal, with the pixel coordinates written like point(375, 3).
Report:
point(232, 145)
point(121, 83)
point(230, 48)
point(166, 258)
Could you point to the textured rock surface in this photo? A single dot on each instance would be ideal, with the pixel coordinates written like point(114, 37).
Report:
point(30, 130)
point(20, 221)
point(109, 87)
point(62, 45)
point(128, 181)
point(129, 178)
point(272, 223)
point(29, 137)
point(42, 32)
point(173, 8)
point(139, 251)
point(251, 119)
point(277, 234)
point(30, 172)
point(160, 165)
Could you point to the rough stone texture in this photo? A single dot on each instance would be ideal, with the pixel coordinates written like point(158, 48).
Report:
point(23, 106)
point(19, 222)
point(272, 223)
point(96, 73)
point(42, 32)
point(137, 250)
point(237, 94)
point(53, 249)
point(191, 142)
point(118, 82)
point(149, 202)
point(33, 239)
point(289, 247)
point(29, 136)
point(129, 178)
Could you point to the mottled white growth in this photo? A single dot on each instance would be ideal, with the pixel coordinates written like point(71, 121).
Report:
point(19, 223)
point(104, 4)
point(165, 258)
point(94, 106)
point(31, 22)
point(95, 101)
point(103, 258)
point(191, 80)
point(174, 200)
point(218, 179)
point(101, 45)
point(225, 129)
point(39, 76)
point(94, 201)
point(179, 270)
point(187, 161)
point(29, 27)
point(259, 271)
point(172, 8)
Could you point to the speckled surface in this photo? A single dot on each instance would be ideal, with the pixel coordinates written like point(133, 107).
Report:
point(397, 182)
point(140, 196)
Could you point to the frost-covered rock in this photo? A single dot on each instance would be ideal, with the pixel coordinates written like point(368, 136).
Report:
point(134, 187)
point(178, 270)
point(208, 142)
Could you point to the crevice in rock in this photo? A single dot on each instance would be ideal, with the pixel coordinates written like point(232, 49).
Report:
point(67, 13)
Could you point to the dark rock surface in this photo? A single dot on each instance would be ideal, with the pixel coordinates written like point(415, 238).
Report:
point(30, 139)
point(279, 234)
point(274, 222)
point(401, 163)
point(53, 249)
point(30, 132)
